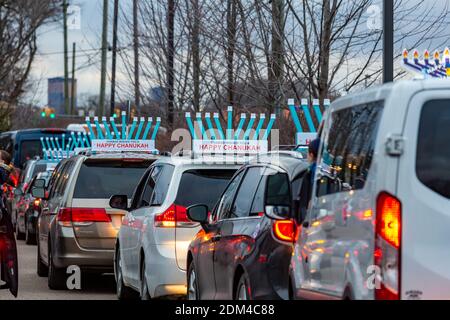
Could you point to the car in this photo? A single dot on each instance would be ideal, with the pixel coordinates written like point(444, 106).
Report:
point(9, 271)
point(377, 226)
point(245, 246)
point(152, 243)
point(22, 194)
point(30, 208)
point(76, 226)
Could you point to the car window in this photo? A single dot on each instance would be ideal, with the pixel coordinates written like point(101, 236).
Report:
point(100, 179)
point(139, 189)
point(57, 179)
point(149, 187)
point(63, 179)
point(348, 148)
point(258, 202)
point(162, 185)
point(246, 192)
point(227, 198)
point(433, 148)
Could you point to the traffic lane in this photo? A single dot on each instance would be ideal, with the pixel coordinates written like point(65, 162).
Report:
point(32, 287)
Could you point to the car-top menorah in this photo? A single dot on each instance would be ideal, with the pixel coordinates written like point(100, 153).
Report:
point(135, 137)
point(248, 138)
point(309, 132)
point(427, 67)
point(55, 150)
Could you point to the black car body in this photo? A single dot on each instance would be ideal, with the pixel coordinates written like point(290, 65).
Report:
point(240, 245)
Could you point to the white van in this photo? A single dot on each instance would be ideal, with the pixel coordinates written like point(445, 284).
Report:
point(378, 225)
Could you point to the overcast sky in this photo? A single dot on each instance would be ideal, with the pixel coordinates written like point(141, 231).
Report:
point(49, 62)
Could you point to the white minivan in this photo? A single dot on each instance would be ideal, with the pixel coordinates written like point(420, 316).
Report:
point(378, 224)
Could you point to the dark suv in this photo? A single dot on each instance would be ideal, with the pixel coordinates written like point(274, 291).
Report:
point(245, 247)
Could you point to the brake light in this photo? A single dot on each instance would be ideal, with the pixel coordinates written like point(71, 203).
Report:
point(387, 247)
point(37, 203)
point(82, 215)
point(285, 230)
point(174, 217)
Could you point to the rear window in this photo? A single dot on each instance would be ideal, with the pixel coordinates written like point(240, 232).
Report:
point(101, 180)
point(202, 187)
point(29, 149)
point(433, 149)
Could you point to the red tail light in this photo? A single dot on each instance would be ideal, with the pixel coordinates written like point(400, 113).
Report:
point(387, 247)
point(84, 215)
point(285, 230)
point(174, 217)
point(36, 203)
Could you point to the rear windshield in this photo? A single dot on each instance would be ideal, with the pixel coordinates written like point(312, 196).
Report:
point(103, 180)
point(29, 149)
point(202, 187)
point(433, 149)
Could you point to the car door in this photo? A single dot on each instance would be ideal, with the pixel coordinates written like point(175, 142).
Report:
point(205, 259)
point(127, 225)
point(235, 234)
point(49, 210)
point(136, 223)
point(424, 193)
point(9, 273)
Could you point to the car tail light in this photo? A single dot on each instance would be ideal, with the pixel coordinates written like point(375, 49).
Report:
point(285, 230)
point(82, 215)
point(36, 203)
point(387, 247)
point(174, 217)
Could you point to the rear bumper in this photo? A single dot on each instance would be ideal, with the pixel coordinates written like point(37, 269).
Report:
point(67, 252)
point(163, 275)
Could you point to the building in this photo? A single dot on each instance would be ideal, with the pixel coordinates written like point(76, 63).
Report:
point(56, 94)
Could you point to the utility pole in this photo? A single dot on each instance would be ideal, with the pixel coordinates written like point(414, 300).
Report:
point(73, 94)
point(388, 39)
point(114, 56)
point(170, 59)
point(66, 61)
point(137, 91)
point(101, 104)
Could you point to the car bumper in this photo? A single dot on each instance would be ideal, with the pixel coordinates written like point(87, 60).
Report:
point(163, 275)
point(67, 253)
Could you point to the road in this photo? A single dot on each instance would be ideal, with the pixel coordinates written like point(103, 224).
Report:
point(32, 287)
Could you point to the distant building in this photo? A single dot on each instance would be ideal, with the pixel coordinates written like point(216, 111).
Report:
point(56, 94)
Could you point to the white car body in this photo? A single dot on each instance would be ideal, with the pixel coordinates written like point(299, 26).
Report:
point(335, 256)
point(162, 249)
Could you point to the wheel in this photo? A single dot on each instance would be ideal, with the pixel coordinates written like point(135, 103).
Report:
point(144, 287)
point(123, 292)
point(243, 289)
point(42, 269)
point(193, 292)
point(56, 276)
point(30, 238)
point(19, 235)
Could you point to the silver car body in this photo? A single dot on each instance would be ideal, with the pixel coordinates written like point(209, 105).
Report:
point(334, 255)
point(164, 250)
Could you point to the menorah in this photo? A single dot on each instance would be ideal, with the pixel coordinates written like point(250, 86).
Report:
point(426, 67)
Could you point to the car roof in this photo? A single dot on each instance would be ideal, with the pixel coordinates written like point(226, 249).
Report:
point(206, 161)
point(289, 161)
point(119, 156)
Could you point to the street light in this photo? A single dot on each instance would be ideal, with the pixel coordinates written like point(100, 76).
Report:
point(388, 41)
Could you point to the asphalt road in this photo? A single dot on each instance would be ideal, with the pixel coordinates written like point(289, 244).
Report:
point(32, 287)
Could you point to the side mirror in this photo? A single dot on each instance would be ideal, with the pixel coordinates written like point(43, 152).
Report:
point(39, 193)
point(198, 213)
point(18, 192)
point(278, 198)
point(39, 183)
point(119, 202)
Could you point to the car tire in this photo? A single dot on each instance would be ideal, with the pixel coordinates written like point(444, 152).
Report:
point(144, 295)
point(42, 269)
point(243, 289)
point(192, 281)
point(30, 238)
point(123, 292)
point(19, 235)
point(56, 276)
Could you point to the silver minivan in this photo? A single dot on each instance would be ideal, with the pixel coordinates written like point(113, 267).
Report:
point(378, 222)
point(76, 226)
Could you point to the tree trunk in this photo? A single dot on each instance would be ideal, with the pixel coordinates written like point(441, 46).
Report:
point(170, 60)
point(196, 54)
point(276, 64)
point(231, 46)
